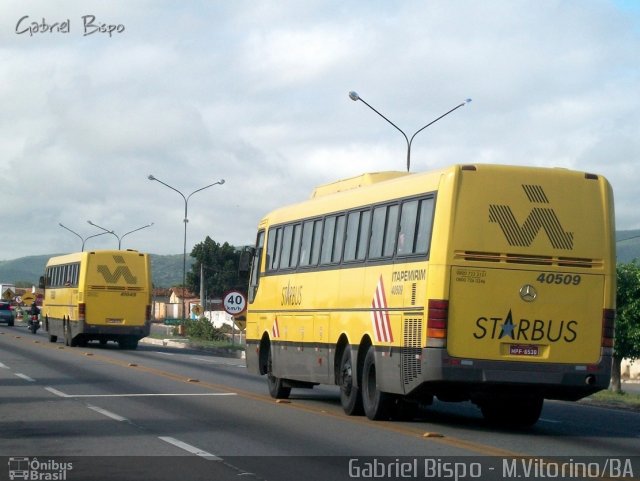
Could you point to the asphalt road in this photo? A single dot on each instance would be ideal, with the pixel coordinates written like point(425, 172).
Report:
point(160, 413)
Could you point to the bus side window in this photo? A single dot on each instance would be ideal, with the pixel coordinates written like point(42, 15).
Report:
point(363, 235)
point(338, 242)
point(295, 248)
point(391, 231)
point(255, 267)
point(425, 224)
point(327, 239)
point(384, 231)
point(377, 232)
point(317, 242)
point(351, 244)
point(274, 243)
point(407, 234)
point(355, 248)
point(285, 256)
point(307, 238)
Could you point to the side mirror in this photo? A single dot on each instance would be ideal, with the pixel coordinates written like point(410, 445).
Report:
point(246, 256)
point(41, 282)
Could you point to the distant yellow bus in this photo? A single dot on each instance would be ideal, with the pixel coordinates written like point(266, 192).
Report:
point(494, 284)
point(97, 295)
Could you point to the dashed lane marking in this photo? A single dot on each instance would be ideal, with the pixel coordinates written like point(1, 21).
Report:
point(189, 448)
point(209, 394)
point(109, 414)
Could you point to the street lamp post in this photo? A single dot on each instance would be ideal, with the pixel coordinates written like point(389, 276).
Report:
point(107, 231)
point(186, 220)
point(85, 239)
point(355, 97)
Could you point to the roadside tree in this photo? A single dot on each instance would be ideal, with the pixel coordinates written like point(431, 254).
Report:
point(220, 267)
point(627, 333)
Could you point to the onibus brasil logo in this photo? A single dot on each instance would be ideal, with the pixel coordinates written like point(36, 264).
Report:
point(36, 469)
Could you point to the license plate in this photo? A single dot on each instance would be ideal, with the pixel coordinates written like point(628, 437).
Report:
point(523, 350)
point(115, 321)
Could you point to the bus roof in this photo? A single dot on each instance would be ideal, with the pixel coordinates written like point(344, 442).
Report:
point(355, 182)
point(77, 256)
point(375, 187)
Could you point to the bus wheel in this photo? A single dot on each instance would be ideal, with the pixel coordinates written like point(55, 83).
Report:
point(350, 396)
point(377, 404)
point(277, 389)
point(513, 412)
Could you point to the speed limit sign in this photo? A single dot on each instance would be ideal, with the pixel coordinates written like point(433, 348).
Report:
point(234, 302)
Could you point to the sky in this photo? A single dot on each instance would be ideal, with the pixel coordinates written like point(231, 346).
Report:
point(256, 93)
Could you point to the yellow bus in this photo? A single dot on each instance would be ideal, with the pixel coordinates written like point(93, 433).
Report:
point(97, 295)
point(488, 283)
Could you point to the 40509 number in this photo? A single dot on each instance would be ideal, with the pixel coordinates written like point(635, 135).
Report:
point(559, 278)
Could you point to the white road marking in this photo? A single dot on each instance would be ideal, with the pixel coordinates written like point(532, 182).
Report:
point(189, 448)
point(216, 361)
point(55, 391)
point(25, 377)
point(61, 394)
point(156, 394)
point(3, 366)
point(549, 420)
point(109, 414)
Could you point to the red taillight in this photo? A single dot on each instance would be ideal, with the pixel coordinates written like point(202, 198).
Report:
point(82, 308)
point(608, 327)
point(437, 318)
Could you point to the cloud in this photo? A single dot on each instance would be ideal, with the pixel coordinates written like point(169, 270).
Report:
point(257, 94)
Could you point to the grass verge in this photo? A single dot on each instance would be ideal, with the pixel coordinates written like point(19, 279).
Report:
point(625, 400)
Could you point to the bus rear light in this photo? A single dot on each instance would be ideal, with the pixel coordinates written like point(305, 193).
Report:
point(608, 327)
point(438, 312)
point(82, 311)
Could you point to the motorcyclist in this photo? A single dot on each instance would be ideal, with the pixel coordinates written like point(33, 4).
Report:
point(34, 312)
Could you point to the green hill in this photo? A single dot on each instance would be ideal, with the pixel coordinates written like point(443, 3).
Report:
point(628, 245)
point(167, 269)
point(25, 271)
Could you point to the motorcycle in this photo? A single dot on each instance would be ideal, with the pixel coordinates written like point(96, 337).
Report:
point(34, 323)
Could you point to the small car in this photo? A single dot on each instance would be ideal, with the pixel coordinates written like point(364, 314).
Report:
point(6, 313)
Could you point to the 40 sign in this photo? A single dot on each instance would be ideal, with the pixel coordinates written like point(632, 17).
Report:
point(234, 303)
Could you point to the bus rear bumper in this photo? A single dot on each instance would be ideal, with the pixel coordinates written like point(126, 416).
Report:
point(115, 332)
point(445, 376)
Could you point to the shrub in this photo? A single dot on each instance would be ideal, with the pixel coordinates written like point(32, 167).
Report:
point(203, 329)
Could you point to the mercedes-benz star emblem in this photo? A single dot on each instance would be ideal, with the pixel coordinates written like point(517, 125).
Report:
point(528, 293)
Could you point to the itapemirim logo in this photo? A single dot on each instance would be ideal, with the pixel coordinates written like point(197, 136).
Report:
point(121, 271)
point(543, 218)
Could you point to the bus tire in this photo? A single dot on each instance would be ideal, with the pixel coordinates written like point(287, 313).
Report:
point(277, 389)
point(513, 412)
point(377, 404)
point(350, 396)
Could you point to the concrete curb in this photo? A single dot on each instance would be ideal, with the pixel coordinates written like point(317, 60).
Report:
point(187, 344)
